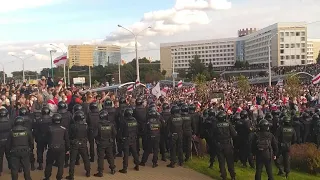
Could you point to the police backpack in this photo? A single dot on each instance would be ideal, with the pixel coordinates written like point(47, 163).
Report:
point(263, 143)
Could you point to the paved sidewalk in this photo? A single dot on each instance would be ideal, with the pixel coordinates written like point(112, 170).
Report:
point(145, 173)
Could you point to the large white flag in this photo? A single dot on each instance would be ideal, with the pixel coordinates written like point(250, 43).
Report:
point(316, 79)
point(156, 90)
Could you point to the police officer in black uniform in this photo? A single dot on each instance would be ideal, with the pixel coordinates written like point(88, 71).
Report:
point(223, 134)
point(58, 146)
point(298, 127)
point(104, 136)
point(196, 123)
point(19, 144)
point(78, 143)
point(306, 121)
point(112, 118)
point(175, 133)
point(140, 113)
point(119, 120)
point(128, 132)
point(41, 131)
point(187, 130)
point(264, 148)
point(5, 129)
point(92, 121)
point(65, 122)
point(286, 136)
point(164, 145)
point(153, 129)
point(244, 129)
point(207, 133)
point(28, 123)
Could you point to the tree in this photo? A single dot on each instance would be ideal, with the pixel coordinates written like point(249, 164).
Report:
point(243, 85)
point(181, 73)
point(163, 72)
point(318, 58)
point(210, 67)
point(202, 89)
point(196, 66)
point(293, 86)
point(246, 64)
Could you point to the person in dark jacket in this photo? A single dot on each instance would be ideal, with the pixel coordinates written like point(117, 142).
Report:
point(264, 148)
point(164, 141)
point(92, 121)
point(19, 144)
point(112, 113)
point(140, 114)
point(104, 136)
point(5, 129)
point(58, 146)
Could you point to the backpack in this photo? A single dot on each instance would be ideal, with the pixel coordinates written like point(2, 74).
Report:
point(263, 143)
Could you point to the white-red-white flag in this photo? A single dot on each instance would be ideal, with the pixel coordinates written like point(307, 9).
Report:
point(164, 91)
point(316, 79)
point(179, 84)
point(191, 90)
point(137, 83)
point(61, 60)
point(130, 88)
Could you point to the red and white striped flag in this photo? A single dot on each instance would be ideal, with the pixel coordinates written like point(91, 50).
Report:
point(130, 88)
point(137, 83)
point(61, 60)
point(316, 79)
point(192, 90)
point(164, 91)
point(179, 84)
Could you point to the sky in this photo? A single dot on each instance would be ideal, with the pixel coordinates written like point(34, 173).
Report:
point(28, 27)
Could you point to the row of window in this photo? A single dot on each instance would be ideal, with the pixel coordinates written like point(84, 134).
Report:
point(203, 47)
point(301, 39)
point(292, 33)
point(199, 52)
point(287, 57)
point(263, 38)
point(296, 45)
point(214, 63)
point(282, 51)
point(203, 56)
point(255, 46)
point(302, 62)
point(207, 60)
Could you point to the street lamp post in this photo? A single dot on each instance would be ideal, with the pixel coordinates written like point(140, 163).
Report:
point(4, 74)
point(136, 47)
point(52, 51)
point(23, 76)
point(64, 66)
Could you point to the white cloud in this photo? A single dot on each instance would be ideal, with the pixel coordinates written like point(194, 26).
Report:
point(171, 21)
point(12, 5)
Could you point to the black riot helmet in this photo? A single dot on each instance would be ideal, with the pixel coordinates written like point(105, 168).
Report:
point(205, 113)
point(108, 103)
point(77, 107)
point(62, 105)
point(315, 117)
point(56, 118)
point(184, 109)
point(128, 112)
point(152, 106)
point(165, 106)
point(23, 111)
point(93, 106)
point(264, 125)
point(78, 116)
point(19, 121)
point(236, 116)
point(317, 111)
point(3, 112)
point(122, 100)
point(268, 116)
point(45, 111)
point(175, 109)
point(211, 112)
point(139, 101)
point(305, 115)
point(244, 114)
point(180, 103)
point(286, 120)
point(152, 113)
point(103, 115)
point(259, 118)
point(221, 116)
point(192, 108)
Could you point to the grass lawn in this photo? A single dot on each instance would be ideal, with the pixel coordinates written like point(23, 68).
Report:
point(201, 165)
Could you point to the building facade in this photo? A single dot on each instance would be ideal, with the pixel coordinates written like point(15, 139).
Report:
point(313, 49)
point(93, 55)
point(287, 43)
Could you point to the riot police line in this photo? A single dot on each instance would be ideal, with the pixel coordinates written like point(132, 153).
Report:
point(116, 133)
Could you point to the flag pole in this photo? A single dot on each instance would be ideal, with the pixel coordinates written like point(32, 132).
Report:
point(64, 73)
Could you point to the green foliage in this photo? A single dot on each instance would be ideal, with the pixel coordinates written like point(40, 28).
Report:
point(305, 158)
point(243, 85)
point(202, 89)
point(196, 66)
point(318, 58)
point(201, 166)
point(163, 72)
point(241, 64)
point(293, 86)
point(181, 73)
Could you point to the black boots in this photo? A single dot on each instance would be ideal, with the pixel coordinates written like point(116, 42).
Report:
point(40, 167)
point(98, 174)
point(171, 165)
point(154, 165)
point(142, 164)
point(137, 168)
point(124, 171)
point(211, 165)
point(32, 167)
